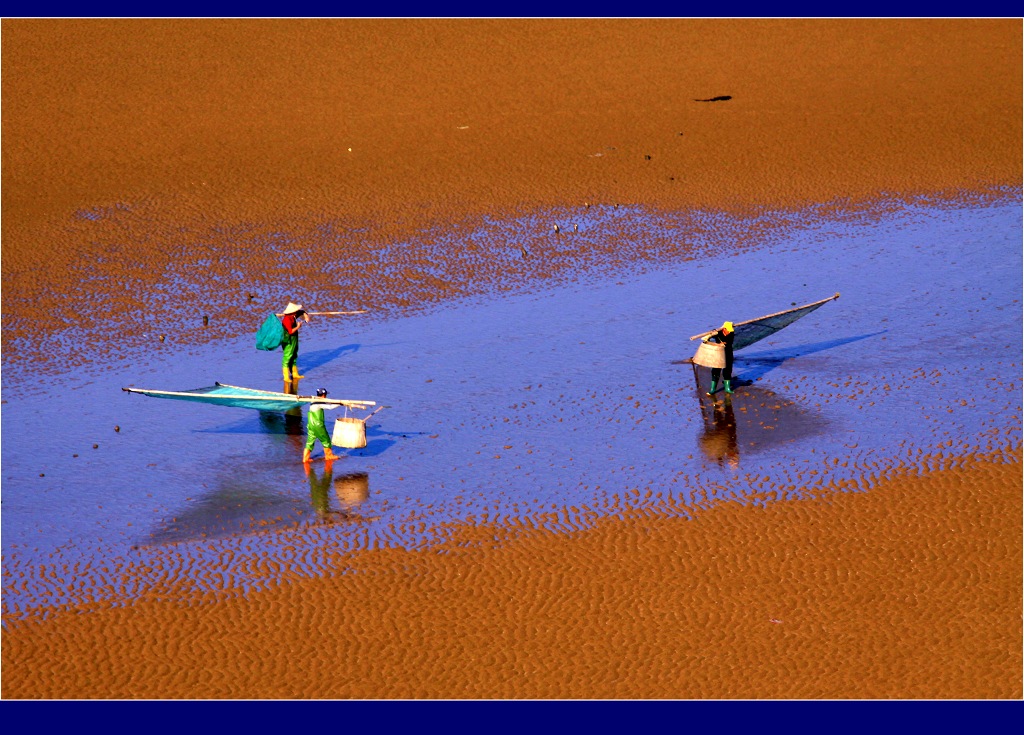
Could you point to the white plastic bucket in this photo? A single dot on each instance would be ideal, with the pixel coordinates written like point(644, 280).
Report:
point(349, 433)
point(710, 354)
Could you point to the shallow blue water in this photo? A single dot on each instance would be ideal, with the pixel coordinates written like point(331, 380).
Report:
point(572, 401)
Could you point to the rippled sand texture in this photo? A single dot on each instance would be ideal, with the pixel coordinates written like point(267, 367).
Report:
point(842, 595)
point(159, 170)
point(151, 159)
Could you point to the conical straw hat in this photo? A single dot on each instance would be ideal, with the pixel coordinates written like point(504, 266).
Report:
point(292, 308)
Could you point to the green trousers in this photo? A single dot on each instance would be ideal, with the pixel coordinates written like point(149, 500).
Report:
point(290, 345)
point(315, 430)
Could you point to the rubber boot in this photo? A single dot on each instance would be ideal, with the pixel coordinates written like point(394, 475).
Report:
point(305, 456)
point(295, 373)
point(714, 387)
point(287, 375)
point(329, 455)
point(728, 386)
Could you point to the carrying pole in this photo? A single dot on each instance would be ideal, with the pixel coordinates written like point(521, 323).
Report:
point(336, 313)
point(332, 313)
point(766, 316)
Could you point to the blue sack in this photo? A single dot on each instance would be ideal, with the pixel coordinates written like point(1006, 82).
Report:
point(270, 334)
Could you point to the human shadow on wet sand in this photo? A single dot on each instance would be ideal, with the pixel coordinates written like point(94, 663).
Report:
point(755, 365)
point(319, 358)
point(241, 503)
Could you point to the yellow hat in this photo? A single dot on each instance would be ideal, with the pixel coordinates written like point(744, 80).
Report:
point(292, 308)
point(727, 327)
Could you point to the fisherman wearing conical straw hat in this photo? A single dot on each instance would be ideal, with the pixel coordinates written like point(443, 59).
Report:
point(724, 335)
point(290, 321)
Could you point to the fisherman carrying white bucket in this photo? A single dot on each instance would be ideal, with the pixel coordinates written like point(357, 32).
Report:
point(315, 429)
point(724, 336)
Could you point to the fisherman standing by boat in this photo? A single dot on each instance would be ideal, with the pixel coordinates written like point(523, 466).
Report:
point(723, 336)
point(315, 429)
point(290, 343)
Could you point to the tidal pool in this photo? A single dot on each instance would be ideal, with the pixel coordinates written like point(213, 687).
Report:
point(554, 407)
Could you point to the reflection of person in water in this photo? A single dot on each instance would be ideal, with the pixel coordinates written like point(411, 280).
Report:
point(319, 488)
point(719, 439)
point(289, 423)
point(293, 418)
point(352, 490)
point(724, 336)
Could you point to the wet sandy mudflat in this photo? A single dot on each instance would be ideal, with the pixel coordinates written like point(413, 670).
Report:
point(549, 506)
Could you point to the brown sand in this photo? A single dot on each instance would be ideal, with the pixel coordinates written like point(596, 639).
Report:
point(843, 595)
point(160, 142)
point(261, 114)
point(189, 140)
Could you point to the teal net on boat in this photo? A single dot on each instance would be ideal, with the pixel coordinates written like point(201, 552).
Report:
point(238, 397)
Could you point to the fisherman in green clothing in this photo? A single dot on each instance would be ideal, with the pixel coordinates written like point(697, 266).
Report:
point(290, 344)
point(315, 429)
point(725, 336)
